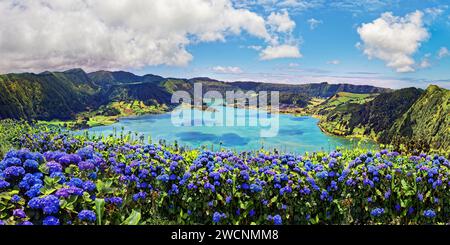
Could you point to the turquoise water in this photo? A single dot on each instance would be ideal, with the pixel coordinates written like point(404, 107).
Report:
point(295, 134)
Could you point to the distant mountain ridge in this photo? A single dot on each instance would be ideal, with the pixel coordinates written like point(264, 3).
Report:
point(61, 95)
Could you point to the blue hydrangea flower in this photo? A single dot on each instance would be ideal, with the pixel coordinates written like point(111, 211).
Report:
point(77, 182)
point(163, 178)
point(26, 222)
point(13, 161)
point(141, 195)
point(31, 165)
point(13, 172)
point(218, 216)
point(34, 191)
point(429, 213)
point(60, 175)
point(34, 203)
point(86, 153)
point(19, 213)
point(86, 165)
point(87, 215)
point(89, 186)
point(50, 220)
point(49, 204)
point(117, 201)
point(16, 199)
point(387, 194)
point(28, 181)
point(69, 191)
point(54, 167)
point(322, 175)
point(420, 197)
point(277, 220)
point(255, 188)
point(4, 184)
point(228, 199)
point(376, 212)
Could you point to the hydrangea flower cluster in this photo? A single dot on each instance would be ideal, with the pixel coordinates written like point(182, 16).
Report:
point(60, 179)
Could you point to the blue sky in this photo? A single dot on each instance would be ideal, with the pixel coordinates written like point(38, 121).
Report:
point(329, 51)
point(388, 43)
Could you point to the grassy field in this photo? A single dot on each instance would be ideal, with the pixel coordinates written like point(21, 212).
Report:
point(107, 115)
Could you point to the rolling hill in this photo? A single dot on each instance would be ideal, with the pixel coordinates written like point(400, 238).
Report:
point(410, 117)
point(62, 95)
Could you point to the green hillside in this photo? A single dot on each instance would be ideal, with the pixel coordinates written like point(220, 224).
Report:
point(45, 96)
point(409, 117)
point(427, 121)
point(340, 99)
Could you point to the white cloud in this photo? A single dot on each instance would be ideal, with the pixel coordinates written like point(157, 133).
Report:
point(282, 45)
point(334, 62)
point(443, 52)
point(280, 51)
point(362, 5)
point(300, 4)
point(394, 39)
point(281, 22)
point(293, 65)
point(313, 23)
point(273, 5)
point(36, 35)
point(255, 47)
point(227, 69)
point(425, 63)
point(436, 11)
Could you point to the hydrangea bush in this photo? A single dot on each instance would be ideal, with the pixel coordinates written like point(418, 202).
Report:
point(59, 179)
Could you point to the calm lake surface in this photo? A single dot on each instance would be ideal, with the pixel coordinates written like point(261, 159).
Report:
point(295, 134)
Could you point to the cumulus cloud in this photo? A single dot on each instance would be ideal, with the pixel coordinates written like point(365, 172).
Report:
point(280, 51)
point(227, 69)
point(394, 39)
point(313, 23)
point(59, 34)
point(281, 22)
point(443, 52)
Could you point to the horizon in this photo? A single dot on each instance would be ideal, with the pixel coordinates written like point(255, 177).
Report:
point(393, 44)
point(226, 81)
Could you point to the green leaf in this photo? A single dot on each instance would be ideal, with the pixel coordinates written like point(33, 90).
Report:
point(274, 199)
point(405, 185)
point(219, 197)
point(8, 195)
point(379, 192)
point(133, 219)
point(99, 209)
